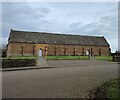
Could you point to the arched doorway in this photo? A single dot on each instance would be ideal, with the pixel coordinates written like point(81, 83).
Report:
point(40, 52)
point(88, 52)
point(99, 51)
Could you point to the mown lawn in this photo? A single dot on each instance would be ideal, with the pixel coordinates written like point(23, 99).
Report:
point(66, 57)
point(50, 57)
point(107, 58)
point(109, 90)
point(21, 57)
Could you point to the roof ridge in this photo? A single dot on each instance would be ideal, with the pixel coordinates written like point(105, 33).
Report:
point(55, 33)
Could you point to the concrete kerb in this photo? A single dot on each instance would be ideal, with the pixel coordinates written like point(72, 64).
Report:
point(55, 65)
point(24, 68)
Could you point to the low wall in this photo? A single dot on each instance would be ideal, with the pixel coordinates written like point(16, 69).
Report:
point(116, 58)
point(10, 63)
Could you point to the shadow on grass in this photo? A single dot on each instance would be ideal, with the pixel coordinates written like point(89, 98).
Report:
point(109, 90)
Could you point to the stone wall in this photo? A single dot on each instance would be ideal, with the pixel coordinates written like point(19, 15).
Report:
point(77, 50)
point(11, 63)
point(116, 58)
point(25, 49)
point(20, 49)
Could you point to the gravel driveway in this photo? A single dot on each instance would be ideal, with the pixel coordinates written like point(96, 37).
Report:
point(71, 79)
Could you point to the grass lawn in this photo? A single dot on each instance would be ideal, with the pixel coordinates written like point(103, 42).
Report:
point(21, 57)
point(110, 89)
point(66, 57)
point(50, 57)
point(108, 58)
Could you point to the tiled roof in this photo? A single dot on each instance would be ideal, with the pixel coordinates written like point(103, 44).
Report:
point(52, 38)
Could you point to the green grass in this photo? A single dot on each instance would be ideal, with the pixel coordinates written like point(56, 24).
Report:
point(109, 90)
point(21, 57)
point(112, 89)
point(50, 57)
point(66, 57)
point(107, 58)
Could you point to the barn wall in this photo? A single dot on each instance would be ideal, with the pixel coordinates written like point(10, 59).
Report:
point(25, 49)
point(42, 47)
point(20, 49)
point(105, 51)
point(76, 50)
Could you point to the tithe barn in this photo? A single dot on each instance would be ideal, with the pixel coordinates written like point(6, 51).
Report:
point(24, 43)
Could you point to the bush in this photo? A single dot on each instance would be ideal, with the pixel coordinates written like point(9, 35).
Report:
point(3, 52)
point(10, 63)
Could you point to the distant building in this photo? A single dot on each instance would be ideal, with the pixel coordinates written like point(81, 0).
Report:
point(24, 43)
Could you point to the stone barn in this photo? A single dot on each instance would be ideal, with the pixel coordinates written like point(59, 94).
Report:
point(24, 43)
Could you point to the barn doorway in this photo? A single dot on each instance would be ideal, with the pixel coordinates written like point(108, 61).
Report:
point(40, 52)
point(88, 53)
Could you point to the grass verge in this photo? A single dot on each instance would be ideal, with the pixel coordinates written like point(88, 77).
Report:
point(66, 57)
point(109, 90)
point(107, 58)
point(21, 57)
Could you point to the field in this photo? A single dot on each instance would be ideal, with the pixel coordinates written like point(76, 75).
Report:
point(67, 57)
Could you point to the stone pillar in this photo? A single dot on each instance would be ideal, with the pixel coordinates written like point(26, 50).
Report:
point(55, 50)
point(64, 51)
point(34, 50)
point(83, 51)
point(22, 52)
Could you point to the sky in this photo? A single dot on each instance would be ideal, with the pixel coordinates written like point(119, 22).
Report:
point(81, 18)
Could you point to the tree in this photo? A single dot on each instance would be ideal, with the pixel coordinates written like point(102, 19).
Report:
point(3, 50)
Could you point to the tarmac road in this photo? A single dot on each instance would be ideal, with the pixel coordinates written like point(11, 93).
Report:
point(74, 81)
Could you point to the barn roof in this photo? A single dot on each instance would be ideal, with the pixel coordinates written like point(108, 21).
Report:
point(52, 38)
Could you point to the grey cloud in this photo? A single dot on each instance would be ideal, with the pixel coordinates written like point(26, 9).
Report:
point(43, 10)
point(75, 24)
point(21, 11)
point(110, 23)
point(106, 26)
point(21, 16)
point(82, 29)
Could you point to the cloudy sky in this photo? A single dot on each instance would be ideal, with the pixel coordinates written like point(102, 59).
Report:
point(83, 18)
